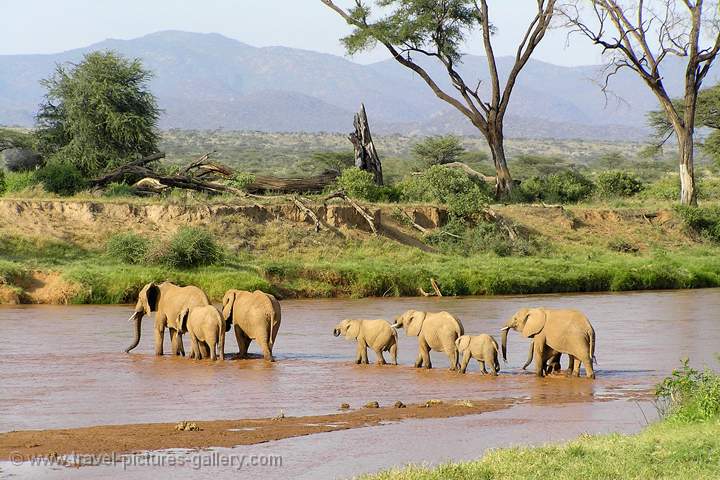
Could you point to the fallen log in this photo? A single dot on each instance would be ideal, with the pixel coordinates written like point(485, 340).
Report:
point(317, 183)
point(136, 168)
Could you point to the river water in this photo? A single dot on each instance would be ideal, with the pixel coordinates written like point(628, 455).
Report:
point(65, 367)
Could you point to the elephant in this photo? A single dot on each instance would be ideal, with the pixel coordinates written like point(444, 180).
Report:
point(553, 359)
point(255, 316)
point(376, 334)
point(207, 331)
point(564, 331)
point(168, 300)
point(482, 348)
point(435, 331)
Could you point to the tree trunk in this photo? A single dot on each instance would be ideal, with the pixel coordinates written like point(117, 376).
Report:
point(503, 180)
point(688, 192)
point(366, 157)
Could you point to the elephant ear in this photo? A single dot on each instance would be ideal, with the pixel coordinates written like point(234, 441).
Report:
point(415, 323)
point(228, 304)
point(534, 322)
point(182, 319)
point(149, 297)
point(463, 342)
point(353, 330)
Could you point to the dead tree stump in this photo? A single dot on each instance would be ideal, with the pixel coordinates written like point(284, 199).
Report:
point(366, 157)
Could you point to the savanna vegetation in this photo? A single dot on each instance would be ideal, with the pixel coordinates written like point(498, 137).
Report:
point(685, 443)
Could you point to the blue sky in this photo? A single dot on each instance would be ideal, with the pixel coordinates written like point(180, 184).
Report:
point(49, 26)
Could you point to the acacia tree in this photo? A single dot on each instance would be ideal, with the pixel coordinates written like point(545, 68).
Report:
point(436, 29)
point(99, 113)
point(640, 35)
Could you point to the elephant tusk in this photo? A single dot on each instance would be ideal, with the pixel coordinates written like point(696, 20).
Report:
point(504, 328)
point(132, 317)
point(395, 325)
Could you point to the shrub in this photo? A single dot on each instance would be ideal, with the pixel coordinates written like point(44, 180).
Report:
point(709, 188)
point(128, 247)
point(617, 183)
point(19, 181)
point(666, 188)
point(242, 180)
point(3, 185)
point(21, 159)
point(568, 186)
point(359, 184)
point(119, 190)
point(191, 247)
point(61, 178)
point(702, 220)
point(448, 186)
point(438, 150)
point(689, 395)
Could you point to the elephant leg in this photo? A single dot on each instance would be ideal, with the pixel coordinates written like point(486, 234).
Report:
point(465, 361)
point(419, 361)
point(453, 356)
point(576, 367)
point(176, 342)
point(380, 359)
point(213, 350)
point(494, 369)
point(359, 355)
point(482, 367)
point(159, 338)
point(425, 354)
point(589, 372)
point(205, 349)
point(571, 365)
point(540, 358)
point(265, 347)
point(194, 346)
point(393, 353)
point(363, 354)
point(242, 341)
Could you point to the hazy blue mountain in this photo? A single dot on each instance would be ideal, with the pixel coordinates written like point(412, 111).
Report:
point(211, 81)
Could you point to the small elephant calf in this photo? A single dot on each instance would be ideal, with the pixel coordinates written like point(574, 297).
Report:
point(376, 334)
point(482, 348)
point(207, 331)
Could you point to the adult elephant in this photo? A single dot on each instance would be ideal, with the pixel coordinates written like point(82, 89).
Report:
point(555, 331)
point(167, 300)
point(255, 316)
point(435, 331)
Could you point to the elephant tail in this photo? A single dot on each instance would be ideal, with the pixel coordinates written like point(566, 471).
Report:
point(592, 347)
point(274, 320)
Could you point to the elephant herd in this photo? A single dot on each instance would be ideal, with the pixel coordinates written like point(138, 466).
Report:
point(256, 316)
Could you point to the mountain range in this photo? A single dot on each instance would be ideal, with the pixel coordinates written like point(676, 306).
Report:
point(209, 81)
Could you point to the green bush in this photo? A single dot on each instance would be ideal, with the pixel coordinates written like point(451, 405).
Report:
point(568, 186)
point(617, 183)
point(689, 395)
point(61, 178)
point(128, 247)
point(463, 238)
point(119, 190)
point(242, 180)
point(709, 188)
point(702, 220)
point(448, 186)
point(359, 184)
point(19, 181)
point(191, 247)
point(438, 150)
point(3, 184)
point(666, 188)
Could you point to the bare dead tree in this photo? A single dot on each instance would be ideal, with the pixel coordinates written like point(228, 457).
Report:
point(639, 35)
point(435, 30)
point(366, 156)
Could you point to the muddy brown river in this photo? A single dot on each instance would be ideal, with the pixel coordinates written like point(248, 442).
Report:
point(64, 367)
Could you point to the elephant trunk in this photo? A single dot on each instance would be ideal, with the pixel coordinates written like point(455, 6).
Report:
point(504, 343)
point(530, 355)
point(137, 316)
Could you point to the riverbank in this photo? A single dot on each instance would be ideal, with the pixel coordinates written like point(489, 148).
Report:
point(53, 251)
point(662, 451)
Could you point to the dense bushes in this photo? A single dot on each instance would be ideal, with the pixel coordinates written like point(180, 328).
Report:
point(702, 220)
point(3, 185)
point(61, 178)
point(189, 247)
point(690, 395)
point(19, 181)
point(617, 183)
point(463, 238)
point(360, 184)
point(568, 186)
point(447, 186)
point(119, 190)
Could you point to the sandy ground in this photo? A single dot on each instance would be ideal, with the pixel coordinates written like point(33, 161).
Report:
point(220, 433)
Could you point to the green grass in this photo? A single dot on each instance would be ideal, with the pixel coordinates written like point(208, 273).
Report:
point(662, 451)
point(685, 444)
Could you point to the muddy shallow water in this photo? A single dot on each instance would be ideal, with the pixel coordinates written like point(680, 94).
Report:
point(65, 367)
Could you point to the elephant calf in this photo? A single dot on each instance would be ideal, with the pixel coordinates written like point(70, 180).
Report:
point(435, 331)
point(376, 334)
point(207, 331)
point(482, 348)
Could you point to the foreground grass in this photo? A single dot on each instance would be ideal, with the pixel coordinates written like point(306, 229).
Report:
point(668, 450)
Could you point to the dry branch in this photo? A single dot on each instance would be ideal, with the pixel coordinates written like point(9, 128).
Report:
point(435, 287)
point(412, 222)
point(364, 213)
point(305, 209)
